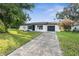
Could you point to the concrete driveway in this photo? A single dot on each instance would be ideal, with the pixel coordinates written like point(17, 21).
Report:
point(45, 44)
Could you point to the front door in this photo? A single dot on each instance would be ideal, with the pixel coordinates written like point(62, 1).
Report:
point(33, 27)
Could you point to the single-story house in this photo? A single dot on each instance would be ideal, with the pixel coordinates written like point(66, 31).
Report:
point(40, 26)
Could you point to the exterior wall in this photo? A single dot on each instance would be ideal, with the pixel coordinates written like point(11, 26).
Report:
point(76, 28)
point(57, 28)
point(41, 30)
point(25, 28)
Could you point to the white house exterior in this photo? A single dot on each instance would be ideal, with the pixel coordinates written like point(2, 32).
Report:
point(75, 27)
point(40, 26)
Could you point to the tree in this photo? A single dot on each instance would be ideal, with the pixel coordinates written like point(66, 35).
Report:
point(13, 15)
point(66, 24)
point(60, 15)
point(70, 12)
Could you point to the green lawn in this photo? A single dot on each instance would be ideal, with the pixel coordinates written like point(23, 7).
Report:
point(69, 42)
point(14, 39)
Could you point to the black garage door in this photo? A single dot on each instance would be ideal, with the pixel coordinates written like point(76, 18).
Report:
point(51, 28)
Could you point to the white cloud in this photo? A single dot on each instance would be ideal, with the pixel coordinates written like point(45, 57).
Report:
point(56, 9)
point(52, 11)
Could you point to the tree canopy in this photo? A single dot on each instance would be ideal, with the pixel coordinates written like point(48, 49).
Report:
point(70, 12)
point(66, 24)
point(12, 14)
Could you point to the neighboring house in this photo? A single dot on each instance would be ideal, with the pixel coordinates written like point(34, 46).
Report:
point(75, 27)
point(40, 26)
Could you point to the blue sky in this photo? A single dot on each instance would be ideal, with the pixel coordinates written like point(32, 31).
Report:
point(46, 12)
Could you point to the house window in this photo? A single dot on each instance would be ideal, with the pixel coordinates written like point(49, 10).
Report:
point(40, 27)
point(29, 27)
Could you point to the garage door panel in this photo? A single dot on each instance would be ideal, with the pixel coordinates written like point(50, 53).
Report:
point(51, 28)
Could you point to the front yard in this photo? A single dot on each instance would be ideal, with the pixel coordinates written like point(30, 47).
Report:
point(69, 42)
point(14, 39)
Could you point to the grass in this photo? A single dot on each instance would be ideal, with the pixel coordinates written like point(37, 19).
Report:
point(14, 39)
point(69, 42)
